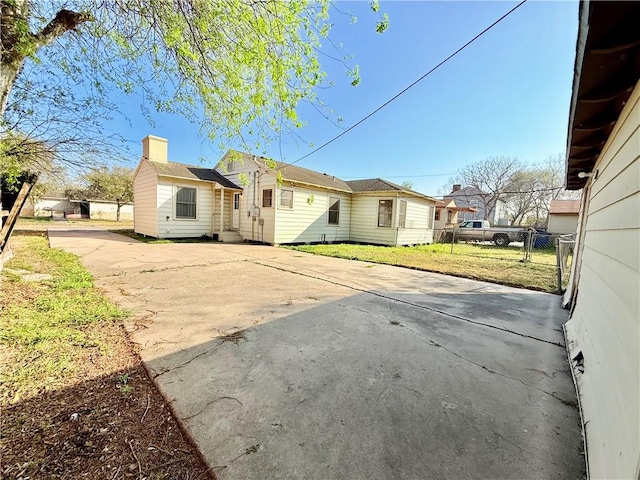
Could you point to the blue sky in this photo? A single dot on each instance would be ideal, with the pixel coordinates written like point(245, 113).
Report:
point(506, 94)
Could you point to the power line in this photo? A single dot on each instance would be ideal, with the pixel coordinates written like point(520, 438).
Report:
point(403, 176)
point(410, 86)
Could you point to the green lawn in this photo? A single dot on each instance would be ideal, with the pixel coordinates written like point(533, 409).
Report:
point(47, 327)
point(480, 262)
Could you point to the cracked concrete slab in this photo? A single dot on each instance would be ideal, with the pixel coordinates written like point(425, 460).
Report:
point(287, 365)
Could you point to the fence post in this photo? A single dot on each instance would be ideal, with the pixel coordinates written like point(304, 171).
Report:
point(559, 265)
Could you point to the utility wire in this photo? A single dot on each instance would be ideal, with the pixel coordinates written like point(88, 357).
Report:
point(410, 86)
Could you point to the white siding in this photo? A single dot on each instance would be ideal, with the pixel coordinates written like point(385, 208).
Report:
point(46, 206)
point(604, 325)
point(419, 223)
point(145, 219)
point(109, 211)
point(257, 223)
point(171, 227)
point(308, 220)
point(562, 224)
point(226, 211)
point(364, 221)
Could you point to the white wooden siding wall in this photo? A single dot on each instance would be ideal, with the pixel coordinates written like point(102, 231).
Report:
point(109, 211)
point(562, 224)
point(228, 205)
point(250, 229)
point(364, 221)
point(308, 221)
point(183, 228)
point(604, 325)
point(145, 217)
point(44, 207)
point(418, 229)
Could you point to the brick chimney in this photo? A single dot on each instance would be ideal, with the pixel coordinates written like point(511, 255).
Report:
point(456, 187)
point(155, 148)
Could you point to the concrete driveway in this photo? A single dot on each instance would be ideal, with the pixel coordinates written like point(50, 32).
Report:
point(287, 365)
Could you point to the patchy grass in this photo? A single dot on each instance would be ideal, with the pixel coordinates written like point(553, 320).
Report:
point(42, 223)
point(46, 326)
point(143, 239)
point(77, 402)
point(479, 262)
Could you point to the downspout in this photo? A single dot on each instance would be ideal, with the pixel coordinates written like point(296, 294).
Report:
point(396, 215)
point(213, 210)
point(253, 207)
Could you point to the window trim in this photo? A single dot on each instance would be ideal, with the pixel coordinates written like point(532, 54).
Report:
point(337, 224)
point(176, 189)
point(284, 207)
point(270, 198)
point(402, 218)
point(236, 206)
point(380, 200)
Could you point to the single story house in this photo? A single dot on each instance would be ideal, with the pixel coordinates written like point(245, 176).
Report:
point(603, 159)
point(563, 216)
point(249, 198)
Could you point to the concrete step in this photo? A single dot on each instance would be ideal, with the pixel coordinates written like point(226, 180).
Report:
point(230, 237)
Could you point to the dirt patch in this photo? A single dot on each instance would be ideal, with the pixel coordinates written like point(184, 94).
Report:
point(111, 426)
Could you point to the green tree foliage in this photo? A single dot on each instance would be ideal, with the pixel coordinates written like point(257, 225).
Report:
point(237, 68)
point(114, 184)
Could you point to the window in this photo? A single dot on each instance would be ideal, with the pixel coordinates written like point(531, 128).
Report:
point(186, 202)
point(402, 218)
point(438, 214)
point(236, 201)
point(267, 198)
point(385, 213)
point(334, 211)
point(286, 198)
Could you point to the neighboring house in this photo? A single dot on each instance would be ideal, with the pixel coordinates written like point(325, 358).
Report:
point(563, 216)
point(448, 213)
point(472, 200)
point(603, 159)
point(276, 204)
point(64, 207)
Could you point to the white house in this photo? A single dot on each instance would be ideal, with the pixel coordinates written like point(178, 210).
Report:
point(563, 216)
point(603, 159)
point(249, 198)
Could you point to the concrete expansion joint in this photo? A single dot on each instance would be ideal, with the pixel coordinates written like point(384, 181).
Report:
point(406, 302)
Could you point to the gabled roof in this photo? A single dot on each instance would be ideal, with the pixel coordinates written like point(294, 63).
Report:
point(380, 185)
point(564, 207)
point(191, 172)
point(451, 205)
point(293, 173)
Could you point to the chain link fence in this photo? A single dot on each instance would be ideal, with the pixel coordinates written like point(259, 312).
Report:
point(530, 246)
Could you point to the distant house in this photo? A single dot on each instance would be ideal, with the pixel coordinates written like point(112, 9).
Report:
point(563, 216)
point(63, 207)
point(603, 159)
point(247, 198)
point(473, 202)
point(448, 213)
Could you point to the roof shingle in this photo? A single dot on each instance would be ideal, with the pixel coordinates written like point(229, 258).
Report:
point(191, 172)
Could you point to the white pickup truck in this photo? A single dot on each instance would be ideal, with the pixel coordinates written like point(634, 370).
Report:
point(482, 231)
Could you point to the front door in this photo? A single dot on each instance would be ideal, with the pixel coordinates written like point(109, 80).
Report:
point(235, 220)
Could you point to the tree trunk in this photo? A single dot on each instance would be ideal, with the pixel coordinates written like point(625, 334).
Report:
point(8, 75)
point(117, 212)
